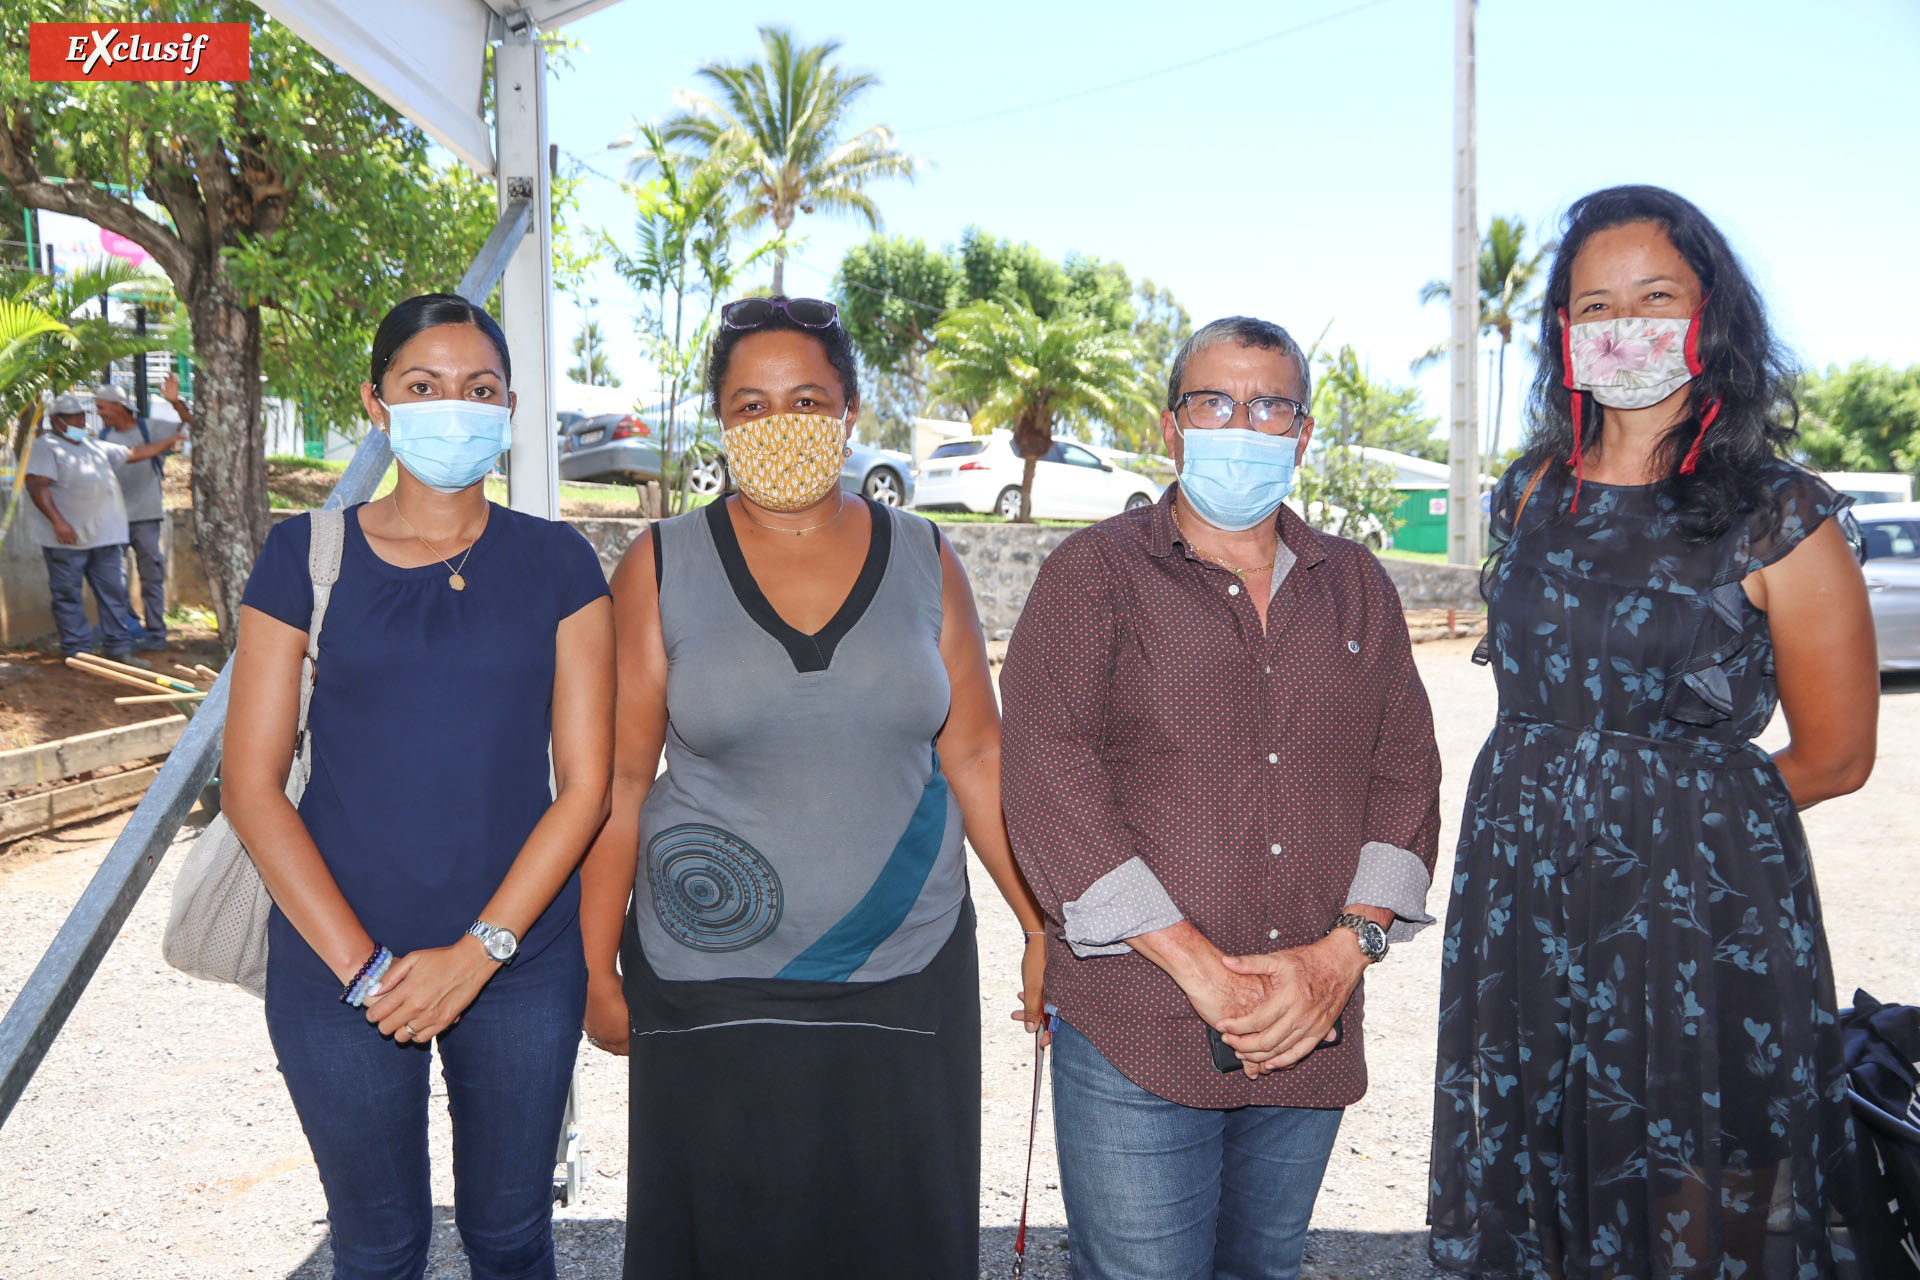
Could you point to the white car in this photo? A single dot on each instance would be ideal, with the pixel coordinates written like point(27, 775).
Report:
point(1070, 483)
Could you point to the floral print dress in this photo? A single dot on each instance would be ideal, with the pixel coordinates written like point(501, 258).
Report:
point(1639, 1067)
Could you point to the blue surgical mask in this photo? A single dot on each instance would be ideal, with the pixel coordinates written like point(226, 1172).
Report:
point(448, 444)
point(1234, 477)
point(78, 435)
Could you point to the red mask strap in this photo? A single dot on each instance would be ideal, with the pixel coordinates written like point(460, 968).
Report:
point(1694, 367)
point(1692, 347)
point(1692, 459)
point(1579, 409)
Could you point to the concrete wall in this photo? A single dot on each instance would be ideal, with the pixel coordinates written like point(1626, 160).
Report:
point(1001, 560)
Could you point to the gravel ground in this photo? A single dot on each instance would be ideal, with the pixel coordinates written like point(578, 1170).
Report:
point(157, 1140)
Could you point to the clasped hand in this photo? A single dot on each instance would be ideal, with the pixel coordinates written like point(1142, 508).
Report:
point(425, 992)
point(1275, 1009)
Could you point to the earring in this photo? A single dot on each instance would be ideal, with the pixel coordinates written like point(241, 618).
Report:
point(847, 452)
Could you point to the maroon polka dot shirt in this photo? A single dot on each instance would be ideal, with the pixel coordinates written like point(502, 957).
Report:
point(1149, 717)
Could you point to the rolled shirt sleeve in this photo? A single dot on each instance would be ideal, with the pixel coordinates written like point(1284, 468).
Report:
point(1124, 903)
point(1394, 880)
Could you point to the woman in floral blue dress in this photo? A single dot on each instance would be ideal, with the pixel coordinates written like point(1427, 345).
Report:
point(1639, 1068)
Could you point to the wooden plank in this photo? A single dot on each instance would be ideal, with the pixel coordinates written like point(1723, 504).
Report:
point(53, 761)
point(67, 805)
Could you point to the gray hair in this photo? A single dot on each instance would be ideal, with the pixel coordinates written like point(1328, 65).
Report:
point(1247, 332)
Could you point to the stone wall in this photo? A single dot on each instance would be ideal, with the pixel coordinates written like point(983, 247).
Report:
point(1001, 561)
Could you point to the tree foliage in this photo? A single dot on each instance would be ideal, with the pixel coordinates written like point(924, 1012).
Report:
point(52, 338)
point(298, 208)
point(775, 127)
point(1865, 417)
point(591, 367)
point(894, 292)
point(682, 266)
point(1352, 407)
point(1021, 372)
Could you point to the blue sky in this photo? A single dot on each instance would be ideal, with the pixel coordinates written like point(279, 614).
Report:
point(1306, 178)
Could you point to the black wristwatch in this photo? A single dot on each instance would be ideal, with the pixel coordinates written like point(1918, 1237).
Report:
point(1372, 938)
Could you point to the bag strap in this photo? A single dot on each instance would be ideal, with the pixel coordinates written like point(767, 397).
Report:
point(329, 537)
point(1532, 484)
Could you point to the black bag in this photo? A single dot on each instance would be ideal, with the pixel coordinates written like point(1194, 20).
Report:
point(1882, 1046)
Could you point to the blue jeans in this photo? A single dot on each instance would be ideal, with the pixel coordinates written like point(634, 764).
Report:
point(1159, 1191)
point(105, 570)
point(362, 1100)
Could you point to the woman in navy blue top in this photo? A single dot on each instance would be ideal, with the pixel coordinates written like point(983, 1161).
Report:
point(425, 888)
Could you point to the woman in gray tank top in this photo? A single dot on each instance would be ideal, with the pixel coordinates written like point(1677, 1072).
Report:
point(798, 986)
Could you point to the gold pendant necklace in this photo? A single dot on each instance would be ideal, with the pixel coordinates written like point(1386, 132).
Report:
point(455, 578)
point(1216, 560)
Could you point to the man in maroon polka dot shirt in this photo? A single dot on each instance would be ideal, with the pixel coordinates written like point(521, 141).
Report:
point(1221, 780)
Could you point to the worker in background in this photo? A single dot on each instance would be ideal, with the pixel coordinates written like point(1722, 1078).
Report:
point(80, 523)
point(140, 489)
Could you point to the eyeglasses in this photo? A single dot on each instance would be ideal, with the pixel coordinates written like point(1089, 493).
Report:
point(752, 313)
point(1210, 410)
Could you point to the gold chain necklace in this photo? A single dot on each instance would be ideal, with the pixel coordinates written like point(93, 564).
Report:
point(454, 577)
point(1216, 560)
point(747, 511)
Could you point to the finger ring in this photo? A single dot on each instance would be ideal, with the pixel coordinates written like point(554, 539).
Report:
point(409, 1030)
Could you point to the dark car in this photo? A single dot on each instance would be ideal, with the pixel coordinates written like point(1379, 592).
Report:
point(620, 448)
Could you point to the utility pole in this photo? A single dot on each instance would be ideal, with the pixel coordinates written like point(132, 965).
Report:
point(1464, 544)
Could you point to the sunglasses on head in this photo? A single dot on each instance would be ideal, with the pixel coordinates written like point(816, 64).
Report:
point(752, 313)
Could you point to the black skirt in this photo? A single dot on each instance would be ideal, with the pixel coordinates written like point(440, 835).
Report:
point(806, 1129)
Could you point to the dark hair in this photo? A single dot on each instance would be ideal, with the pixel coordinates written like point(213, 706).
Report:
point(1744, 368)
point(1247, 332)
point(428, 311)
point(832, 339)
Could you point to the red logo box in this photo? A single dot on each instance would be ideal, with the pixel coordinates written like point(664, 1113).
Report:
point(100, 51)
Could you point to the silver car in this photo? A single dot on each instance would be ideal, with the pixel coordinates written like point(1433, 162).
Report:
point(1891, 562)
point(620, 448)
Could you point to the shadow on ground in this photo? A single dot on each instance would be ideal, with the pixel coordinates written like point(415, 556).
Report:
point(590, 1249)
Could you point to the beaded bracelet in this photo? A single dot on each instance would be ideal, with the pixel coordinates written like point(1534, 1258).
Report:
point(377, 964)
point(370, 985)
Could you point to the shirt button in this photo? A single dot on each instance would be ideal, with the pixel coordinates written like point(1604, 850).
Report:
point(1273, 757)
point(1234, 590)
point(1272, 934)
point(1353, 646)
point(1276, 850)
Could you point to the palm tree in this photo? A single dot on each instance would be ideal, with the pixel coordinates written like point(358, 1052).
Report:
point(1015, 370)
point(1509, 275)
point(590, 350)
point(776, 126)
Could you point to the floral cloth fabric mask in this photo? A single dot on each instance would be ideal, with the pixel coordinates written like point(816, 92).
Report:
point(786, 461)
point(1633, 361)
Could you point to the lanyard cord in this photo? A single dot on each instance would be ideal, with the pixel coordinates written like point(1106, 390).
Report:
point(1033, 1127)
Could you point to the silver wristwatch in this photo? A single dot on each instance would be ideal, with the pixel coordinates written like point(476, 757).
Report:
point(501, 944)
point(1373, 939)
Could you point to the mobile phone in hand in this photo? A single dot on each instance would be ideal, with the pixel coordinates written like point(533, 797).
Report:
point(1225, 1059)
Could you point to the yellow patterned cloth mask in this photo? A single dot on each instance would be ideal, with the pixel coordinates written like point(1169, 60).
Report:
point(787, 461)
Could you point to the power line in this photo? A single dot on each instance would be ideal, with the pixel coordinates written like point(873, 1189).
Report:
point(1148, 75)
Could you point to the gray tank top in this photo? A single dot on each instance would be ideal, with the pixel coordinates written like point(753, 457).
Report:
point(802, 828)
